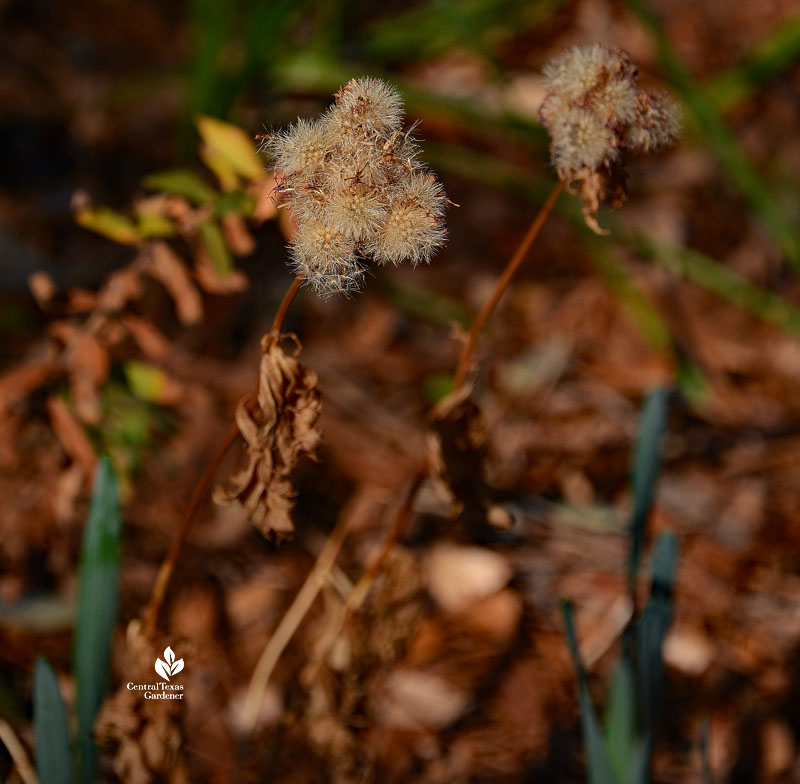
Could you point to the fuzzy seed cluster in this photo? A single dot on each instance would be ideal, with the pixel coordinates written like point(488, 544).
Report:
point(596, 114)
point(356, 189)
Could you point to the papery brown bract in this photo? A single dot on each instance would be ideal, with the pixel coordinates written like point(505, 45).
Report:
point(279, 429)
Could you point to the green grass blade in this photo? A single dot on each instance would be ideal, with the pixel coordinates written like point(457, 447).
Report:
point(645, 470)
point(599, 770)
point(721, 141)
point(97, 608)
point(768, 60)
point(653, 625)
point(718, 279)
point(621, 719)
point(50, 727)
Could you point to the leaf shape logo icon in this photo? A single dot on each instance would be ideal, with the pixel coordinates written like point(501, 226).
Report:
point(171, 666)
point(162, 668)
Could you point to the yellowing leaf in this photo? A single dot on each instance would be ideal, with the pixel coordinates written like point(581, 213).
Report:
point(109, 223)
point(152, 224)
point(221, 166)
point(150, 383)
point(233, 144)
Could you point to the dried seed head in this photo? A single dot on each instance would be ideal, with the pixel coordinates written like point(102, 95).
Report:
point(657, 122)
point(369, 102)
point(414, 226)
point(356, 189)
point(300, 150)
point(596, 113)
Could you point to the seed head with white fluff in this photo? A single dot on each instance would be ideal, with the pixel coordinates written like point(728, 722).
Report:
point(356, 189)
point(596, 115)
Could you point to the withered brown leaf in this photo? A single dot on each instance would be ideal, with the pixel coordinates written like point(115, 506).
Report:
point(278, 429)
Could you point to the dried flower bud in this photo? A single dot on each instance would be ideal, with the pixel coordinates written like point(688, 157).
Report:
point(596, 113)
point(356, 189)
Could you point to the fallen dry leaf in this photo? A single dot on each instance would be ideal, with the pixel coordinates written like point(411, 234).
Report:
point(458, 576)
point(88, 364)
point(71, 435)
point(237, 235)
point(168, 268)
point(17, 384)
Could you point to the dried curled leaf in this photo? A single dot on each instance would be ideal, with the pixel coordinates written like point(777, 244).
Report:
point(458, 448)
point(278, 430)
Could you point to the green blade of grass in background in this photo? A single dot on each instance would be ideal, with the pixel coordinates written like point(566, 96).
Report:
point(50, 727)
point(718, 279)
point(97, 608)
point(770, 58)
point(598, 766)
point(688, 263)
point(621, 718)
point(720, 140)
point(653, 625)
point(645, 470)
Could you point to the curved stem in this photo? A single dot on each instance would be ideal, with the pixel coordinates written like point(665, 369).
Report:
point(202, 488)
point(288, 298)
point(519, 254)
point(168, 565)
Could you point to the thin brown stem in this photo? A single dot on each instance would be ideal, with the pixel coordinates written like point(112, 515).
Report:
point(168, 566)
point(502, 284)
point(202, 488)
point(361, 589)
point(288, 298)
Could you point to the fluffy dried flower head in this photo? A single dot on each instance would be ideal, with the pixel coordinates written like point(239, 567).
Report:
point(356, 189)
point(596, 114)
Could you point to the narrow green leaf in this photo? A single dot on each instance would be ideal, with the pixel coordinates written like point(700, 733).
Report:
point(720, 280)
point(237, 202)
point(653, 625)
point(50, 727)
point(214, 243)
point(621, 719)
point(770, 58)
point(645, 470)
point(97, 608)
point(181, 182)
point(599, 769)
